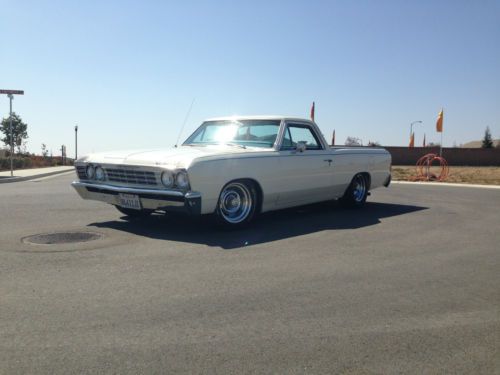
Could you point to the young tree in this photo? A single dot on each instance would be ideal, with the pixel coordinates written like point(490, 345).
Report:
point(19, 131)
point(487, 140)
point(45, 151)
point(353, 141)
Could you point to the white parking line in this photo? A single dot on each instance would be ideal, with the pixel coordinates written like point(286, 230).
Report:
point(446, 184)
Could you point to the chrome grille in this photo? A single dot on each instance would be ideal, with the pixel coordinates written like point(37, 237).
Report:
point(130, 176)
point(80, 171)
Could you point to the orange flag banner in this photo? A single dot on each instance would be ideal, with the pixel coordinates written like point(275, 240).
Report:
point(412, 140)
point(312, 112)
point(439, 122)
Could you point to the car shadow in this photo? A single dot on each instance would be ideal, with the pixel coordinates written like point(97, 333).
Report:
point(268, 227)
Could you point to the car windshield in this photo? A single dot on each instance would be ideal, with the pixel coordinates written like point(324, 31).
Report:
point(251, 133)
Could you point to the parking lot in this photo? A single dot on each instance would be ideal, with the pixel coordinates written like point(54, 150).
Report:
point(408, 284)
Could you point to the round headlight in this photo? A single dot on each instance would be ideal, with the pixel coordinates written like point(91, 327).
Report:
point(181, 180)
point(99, 174)
point(90, 172)
point(167, 179)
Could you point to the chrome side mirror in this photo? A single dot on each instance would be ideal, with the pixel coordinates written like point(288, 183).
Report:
point(301, 146)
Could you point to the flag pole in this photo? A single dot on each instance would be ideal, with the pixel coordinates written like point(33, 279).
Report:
point(441, 145)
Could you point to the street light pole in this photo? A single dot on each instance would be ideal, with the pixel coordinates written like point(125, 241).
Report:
point(411, 126)
point(11, 97)
point(76, 142)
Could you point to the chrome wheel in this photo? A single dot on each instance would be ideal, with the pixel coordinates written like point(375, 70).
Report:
point(236, 203)
point(359, 189)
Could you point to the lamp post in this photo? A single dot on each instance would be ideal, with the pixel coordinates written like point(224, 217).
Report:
point(10, 95)
point(76, 142)
point(411, 126)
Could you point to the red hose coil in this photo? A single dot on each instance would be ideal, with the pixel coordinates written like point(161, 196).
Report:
point(423, 168)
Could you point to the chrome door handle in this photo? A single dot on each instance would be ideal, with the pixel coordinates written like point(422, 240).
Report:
point(329, 161)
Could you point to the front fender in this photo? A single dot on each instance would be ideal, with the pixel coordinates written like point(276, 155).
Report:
point(209, 177)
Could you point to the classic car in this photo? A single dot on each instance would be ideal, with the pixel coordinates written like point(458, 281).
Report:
point(235, 168)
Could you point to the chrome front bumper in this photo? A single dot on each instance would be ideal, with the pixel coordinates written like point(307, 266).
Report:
point(189, 202)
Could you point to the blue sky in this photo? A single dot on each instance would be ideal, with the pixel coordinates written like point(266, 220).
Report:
point(127, 71)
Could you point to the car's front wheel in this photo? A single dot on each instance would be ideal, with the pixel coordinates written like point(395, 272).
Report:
point(237, 204)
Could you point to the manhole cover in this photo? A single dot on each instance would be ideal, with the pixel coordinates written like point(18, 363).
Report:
point(61, 238)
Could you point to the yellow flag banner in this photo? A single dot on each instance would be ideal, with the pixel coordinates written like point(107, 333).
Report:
point(439, 122)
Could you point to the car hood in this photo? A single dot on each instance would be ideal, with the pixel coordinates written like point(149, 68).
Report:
point(180, 157)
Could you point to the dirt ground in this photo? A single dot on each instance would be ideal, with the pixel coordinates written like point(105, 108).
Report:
point(468, 175)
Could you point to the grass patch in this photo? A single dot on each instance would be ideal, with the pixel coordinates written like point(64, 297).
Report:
point(465, 175)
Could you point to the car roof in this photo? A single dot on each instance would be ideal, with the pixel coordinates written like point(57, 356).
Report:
point(258, 117)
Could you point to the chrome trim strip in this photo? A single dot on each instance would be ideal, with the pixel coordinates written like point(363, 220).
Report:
point(192, 194)
point(120, 189)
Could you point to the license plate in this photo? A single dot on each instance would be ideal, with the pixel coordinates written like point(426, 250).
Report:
point(129, 201)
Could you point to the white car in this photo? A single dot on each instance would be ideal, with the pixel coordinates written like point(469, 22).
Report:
point(235, 168)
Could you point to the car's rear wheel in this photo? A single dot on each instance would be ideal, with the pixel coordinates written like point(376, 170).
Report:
point(357, 192)
point(237, 204)
point(134, 213)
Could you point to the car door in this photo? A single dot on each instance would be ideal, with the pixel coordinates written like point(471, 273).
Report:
point(306, 175)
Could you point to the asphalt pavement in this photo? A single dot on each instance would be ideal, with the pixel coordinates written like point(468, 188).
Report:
point(408, 284)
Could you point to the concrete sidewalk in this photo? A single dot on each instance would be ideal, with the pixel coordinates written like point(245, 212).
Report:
point(30, 174)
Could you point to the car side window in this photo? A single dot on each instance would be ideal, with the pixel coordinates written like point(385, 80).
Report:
point(287, 140)
point(296, 133)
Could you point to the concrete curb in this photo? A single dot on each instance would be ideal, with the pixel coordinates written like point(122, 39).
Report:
point(447, 184)
point(32, 177)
